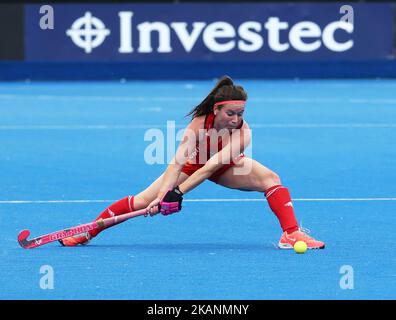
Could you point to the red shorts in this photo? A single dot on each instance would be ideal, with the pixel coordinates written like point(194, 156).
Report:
point(190, 168)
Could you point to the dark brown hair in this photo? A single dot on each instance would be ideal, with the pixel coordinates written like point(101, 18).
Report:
point(223, 90)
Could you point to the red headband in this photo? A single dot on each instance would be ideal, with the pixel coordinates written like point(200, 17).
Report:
point(243, 102)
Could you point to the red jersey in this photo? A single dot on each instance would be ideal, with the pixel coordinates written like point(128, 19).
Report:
point(190, 167)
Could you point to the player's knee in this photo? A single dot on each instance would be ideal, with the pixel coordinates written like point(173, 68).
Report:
point(275, 178)
point(141, 202)
point(269, 180)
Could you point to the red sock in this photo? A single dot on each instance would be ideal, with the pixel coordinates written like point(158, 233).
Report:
point(280, 202)
point(122, 206)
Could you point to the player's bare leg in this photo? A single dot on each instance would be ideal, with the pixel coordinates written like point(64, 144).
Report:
point(144, 198)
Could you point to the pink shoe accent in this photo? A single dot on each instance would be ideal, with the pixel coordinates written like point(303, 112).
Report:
point(287, 241)
point(73, 241)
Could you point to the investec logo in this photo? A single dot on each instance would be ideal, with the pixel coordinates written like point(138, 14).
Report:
point(89, 32)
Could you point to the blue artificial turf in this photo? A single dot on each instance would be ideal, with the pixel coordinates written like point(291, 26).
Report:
point(331, 142)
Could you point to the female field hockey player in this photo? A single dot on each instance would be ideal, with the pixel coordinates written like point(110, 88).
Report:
point(212, 148)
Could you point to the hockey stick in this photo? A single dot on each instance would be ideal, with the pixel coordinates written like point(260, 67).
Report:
point(58, 235)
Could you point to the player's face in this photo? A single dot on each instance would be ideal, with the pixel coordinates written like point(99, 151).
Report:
point(230, 116)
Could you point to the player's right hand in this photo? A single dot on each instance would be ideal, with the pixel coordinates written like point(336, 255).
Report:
point(153, 208)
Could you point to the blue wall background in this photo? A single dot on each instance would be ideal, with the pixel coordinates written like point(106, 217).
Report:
point(55, 55)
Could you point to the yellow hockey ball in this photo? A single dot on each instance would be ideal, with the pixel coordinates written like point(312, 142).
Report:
point(300, 247)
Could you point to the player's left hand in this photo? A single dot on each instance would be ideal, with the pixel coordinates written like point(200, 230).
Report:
point(172, 201)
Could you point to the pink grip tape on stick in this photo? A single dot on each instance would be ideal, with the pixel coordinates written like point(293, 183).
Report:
point(65, 233)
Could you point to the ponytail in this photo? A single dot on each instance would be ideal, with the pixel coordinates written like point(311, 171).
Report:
point(206, 106)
